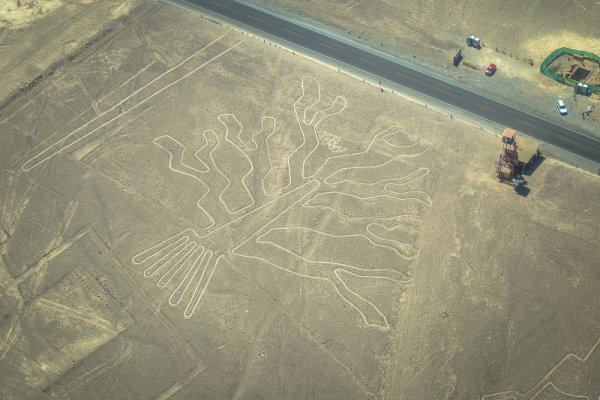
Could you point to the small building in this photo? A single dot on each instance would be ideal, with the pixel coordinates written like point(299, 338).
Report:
point(473, 41)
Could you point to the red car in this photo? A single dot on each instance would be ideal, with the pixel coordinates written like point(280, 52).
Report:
point(491, 70)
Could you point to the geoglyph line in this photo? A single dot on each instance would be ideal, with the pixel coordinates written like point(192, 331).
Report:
point(331, 274)
point(391, 216)
point(63, 144)
point(550, 384)
point(231, 143)
point(255, 221)
point(193, 255)
point(339, 285)
point(268, 126)
point(177, 151)
point(404, 180)
point(25, 315)
point(262, 129)
point(270, 158)
point(5, 219)
point(42, 263)
point(383, 273)
point(165, 249)
point(19, 208)
point(98, 322)
point(125, 82)
point(378, 139)
point(407, 247)
point(181, 383)
point(313, 124)
point(352, 304)
point(547, 380)
point(113, 361)
point(176, 164)
point(351, 4)
point(13, 332)
point(332, 110)
point(290, 227)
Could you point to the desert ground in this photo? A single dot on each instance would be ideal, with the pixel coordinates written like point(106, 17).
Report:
point(188, 212)
point(39, 36)
point(428, 34)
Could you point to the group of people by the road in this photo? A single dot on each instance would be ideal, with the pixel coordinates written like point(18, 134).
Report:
point(587, 112)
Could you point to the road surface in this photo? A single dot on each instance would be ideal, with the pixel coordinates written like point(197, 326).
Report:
point(386, 69)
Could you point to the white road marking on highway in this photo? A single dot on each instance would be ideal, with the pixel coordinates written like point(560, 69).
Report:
point(256, 18)
point(366, 60)
point(290, 32)
point(447, 92)
point(328, 46)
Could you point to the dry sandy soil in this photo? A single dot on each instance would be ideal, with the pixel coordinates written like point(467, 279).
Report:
point(432, 32)
point(63, 30)
point(532, 29)
point(188, 212)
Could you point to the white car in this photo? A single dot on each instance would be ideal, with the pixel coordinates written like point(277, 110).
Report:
point(562, 108)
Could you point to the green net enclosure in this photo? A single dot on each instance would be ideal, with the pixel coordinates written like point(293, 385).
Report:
point(571, 66)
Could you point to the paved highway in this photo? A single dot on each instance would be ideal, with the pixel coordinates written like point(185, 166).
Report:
point(386, 69)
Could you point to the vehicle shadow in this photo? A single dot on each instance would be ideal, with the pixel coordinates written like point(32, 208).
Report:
point(522, 190)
